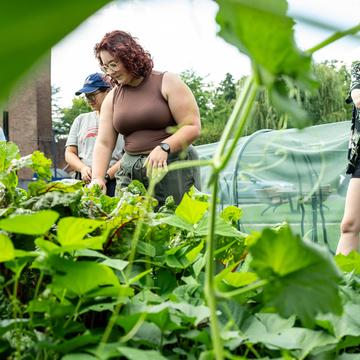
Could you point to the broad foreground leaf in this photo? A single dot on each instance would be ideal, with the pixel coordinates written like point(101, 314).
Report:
point(303, 280)
point(136, 354)
point(349, 263)
point(30, 224)
point(82, 276)
point(191, 210)
point(34, 28)
point(277, 333)
point(7, 248)
point(72, 230)
point(263, 31)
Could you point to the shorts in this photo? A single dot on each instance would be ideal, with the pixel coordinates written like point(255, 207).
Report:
point(175, 183)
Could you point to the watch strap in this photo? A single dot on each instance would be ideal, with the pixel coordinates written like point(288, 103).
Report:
point(165, 147)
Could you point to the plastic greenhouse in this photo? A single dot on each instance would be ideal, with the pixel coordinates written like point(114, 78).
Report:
point(293, 175)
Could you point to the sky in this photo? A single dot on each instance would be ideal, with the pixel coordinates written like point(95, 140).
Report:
point(181, 35)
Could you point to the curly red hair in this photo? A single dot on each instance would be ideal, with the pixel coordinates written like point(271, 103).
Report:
point(123, 47)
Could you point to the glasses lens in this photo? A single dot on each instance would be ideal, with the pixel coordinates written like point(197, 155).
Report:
point(112, 66)
point(92, 96)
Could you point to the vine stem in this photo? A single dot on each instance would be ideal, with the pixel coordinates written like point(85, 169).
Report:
point(184, 164)
point(75, 315)
point(228, 131)
point(239, 117)
point(135, 240)
point(139, 226)
point(134, 329)
point(244, 117)
point(108, 329)
point(38, 284)
point(209, 288)
point(334, 37)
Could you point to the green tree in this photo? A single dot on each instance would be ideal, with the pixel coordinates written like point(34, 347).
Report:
point(215, 103)
point(64, 117)
point(227, 88)
point(201, 90)
point(327, 104)
point(222, 99)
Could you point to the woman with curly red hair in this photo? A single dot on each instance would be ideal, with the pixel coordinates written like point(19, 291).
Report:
point(142, 107)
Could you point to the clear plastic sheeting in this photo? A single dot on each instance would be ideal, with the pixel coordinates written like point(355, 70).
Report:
point(289, 175)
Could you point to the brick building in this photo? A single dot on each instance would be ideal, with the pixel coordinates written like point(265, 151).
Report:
point(27, 119)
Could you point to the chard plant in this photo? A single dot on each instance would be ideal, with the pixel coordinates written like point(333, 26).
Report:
point(85, 276)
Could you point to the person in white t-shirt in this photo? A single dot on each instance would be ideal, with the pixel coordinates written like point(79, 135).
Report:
point(2, 135)
point(81, 140)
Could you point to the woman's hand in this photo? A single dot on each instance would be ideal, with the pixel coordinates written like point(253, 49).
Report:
point(85, 173)
point(99, 181)
point(157, 160)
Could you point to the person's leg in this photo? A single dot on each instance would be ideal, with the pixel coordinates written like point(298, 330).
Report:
point(193, 155)
point(175, 183)
point(350, 225)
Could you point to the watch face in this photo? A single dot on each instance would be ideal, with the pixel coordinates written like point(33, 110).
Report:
point(165, 147)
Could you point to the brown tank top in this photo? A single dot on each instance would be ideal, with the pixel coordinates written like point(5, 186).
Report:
point(141, 114)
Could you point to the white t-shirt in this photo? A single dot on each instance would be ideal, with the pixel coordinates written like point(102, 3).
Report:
point(83, 133)
point(2, 136)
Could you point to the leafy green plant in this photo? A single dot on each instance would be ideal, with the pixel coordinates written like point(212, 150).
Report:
point(153, 302)
point(111, 278)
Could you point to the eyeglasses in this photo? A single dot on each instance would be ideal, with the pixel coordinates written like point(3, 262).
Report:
point(112, 65)
point(92, 96)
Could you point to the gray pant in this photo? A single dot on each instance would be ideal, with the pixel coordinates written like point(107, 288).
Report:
point(175, 183)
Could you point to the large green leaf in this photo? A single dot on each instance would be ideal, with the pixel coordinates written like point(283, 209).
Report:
point(191, 313)
point(222, 228)
point(51, 200)
point(136, 354)
point(72, 231)
point(238, 279)
point(262, 30)
point(67, 185)
point(275, 333)
point(349, 263)
point(8, 152)
point(176, 221)
point(348, 324)
point(75, 343)
point(7, 248)
point(302, 279)
point(41, 165)
point(82, 276)
point(191, 210)
point(201, 228)
point(79, 356)
point(30, 224)
point(30, 28)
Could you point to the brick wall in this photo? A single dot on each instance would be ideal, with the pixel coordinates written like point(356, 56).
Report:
point(29, 110)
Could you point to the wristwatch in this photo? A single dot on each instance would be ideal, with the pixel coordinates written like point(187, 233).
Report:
point(107, 177)
point(165, 147)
